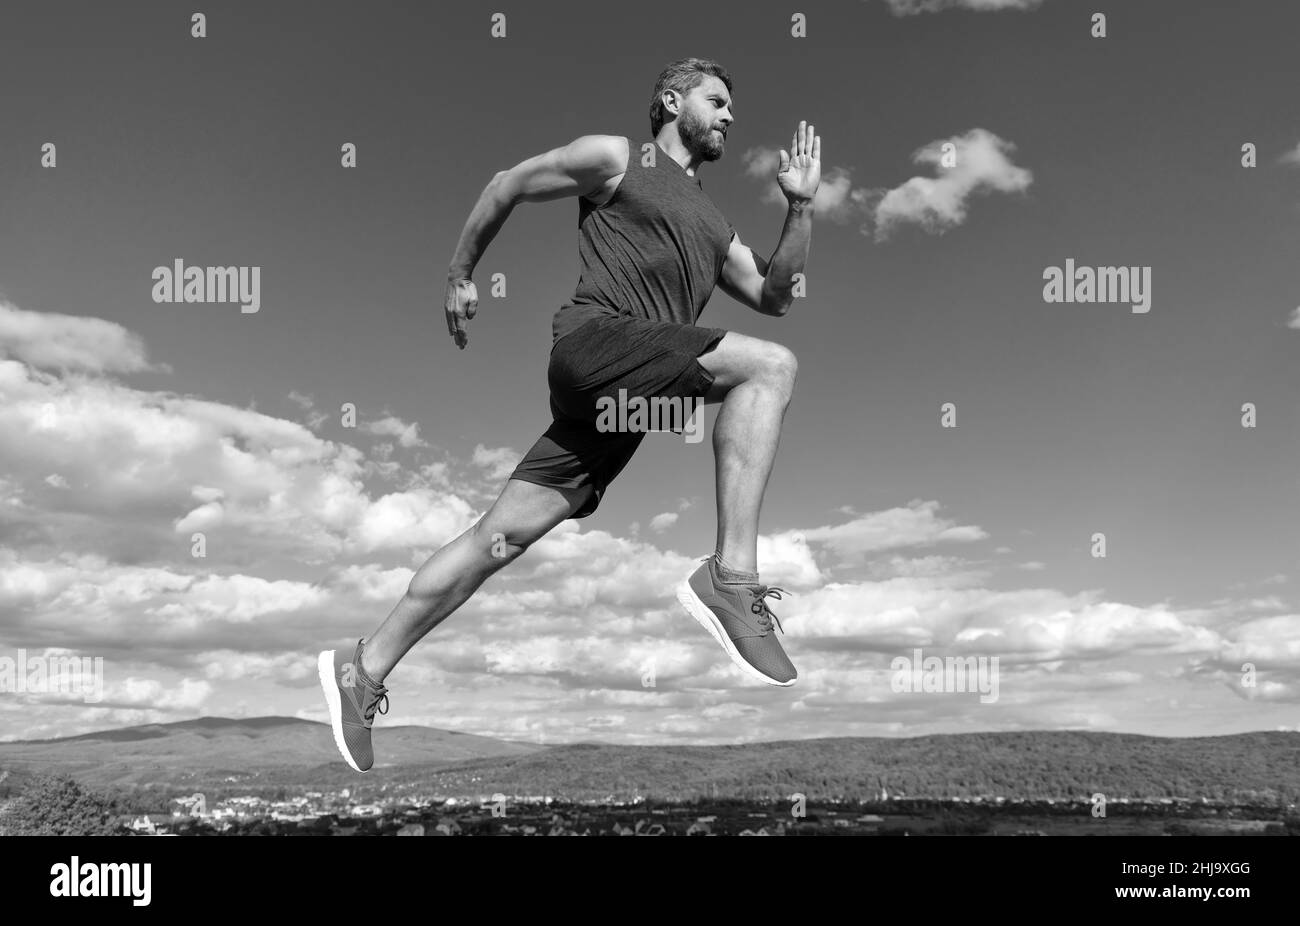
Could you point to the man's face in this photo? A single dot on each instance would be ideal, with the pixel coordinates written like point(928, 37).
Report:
point(704, 118)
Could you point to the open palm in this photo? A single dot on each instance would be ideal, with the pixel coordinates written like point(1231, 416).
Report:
point(800, 172)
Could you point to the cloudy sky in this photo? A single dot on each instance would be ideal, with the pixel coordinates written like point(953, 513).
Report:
point(127, 425)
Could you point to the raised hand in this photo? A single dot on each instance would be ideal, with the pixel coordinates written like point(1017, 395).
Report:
point(800, 172)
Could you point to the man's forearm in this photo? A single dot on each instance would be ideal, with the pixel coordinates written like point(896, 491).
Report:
point(485, 220)
point(789, 259)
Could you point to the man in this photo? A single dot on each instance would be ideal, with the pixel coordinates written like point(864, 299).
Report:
point(653, 247)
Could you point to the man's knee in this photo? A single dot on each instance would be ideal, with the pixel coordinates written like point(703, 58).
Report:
point(786, 362)
point(500, 544)
point(780, 366)
point(505, 532)
point(738, 359)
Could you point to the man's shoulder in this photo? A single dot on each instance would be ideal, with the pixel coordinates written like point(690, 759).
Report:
point(607, 154)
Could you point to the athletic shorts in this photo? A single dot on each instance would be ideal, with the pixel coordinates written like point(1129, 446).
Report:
point(610, 352)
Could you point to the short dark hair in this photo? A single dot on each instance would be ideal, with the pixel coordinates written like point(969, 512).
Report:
point(683, 76)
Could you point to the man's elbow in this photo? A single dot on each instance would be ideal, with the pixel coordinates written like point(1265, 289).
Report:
point(502, 188)
point(775, 303)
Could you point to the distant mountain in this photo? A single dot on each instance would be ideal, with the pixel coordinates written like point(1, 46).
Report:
point(218, 748)
point(1244, 768)
point(283, 752)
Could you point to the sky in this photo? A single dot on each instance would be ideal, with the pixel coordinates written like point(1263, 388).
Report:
point(126, 425)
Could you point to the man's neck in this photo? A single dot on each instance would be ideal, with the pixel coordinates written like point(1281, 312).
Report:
point(672, 145)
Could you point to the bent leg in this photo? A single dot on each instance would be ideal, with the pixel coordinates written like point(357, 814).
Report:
point(520, 516)
point(754, 381)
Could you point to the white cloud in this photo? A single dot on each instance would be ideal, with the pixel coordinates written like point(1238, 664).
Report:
point(1266, 641)
point(315, 417)
point(231, 665)
point(940, 203)
point(786, 559)
point(129, 456)
point(409, 519)
point(498, 462)
point(241, 599)
point(70, 343)
point(917, 524)
point(372, 582)
point(151, 694)
point(408, 435)
point(1024, 626)
point(1257, 660)
point(760, 162)
point(661, 522)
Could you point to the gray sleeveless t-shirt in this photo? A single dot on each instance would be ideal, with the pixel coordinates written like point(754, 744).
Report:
point(655, 250)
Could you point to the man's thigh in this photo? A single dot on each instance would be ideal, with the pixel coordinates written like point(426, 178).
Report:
point(738, 358)
point(525, 512)
point(578, 459)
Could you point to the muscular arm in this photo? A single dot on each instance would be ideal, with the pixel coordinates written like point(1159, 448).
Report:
point(579, 168)
point(768, 286)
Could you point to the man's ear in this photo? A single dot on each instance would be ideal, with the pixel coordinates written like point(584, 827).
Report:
point(672, 102)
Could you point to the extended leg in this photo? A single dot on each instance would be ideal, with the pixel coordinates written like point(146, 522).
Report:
point(523, 514)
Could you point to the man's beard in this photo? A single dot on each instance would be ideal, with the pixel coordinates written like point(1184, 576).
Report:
point(698, 137)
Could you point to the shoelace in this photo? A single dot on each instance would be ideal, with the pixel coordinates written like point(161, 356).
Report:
point(380, 695)
point(759, 606)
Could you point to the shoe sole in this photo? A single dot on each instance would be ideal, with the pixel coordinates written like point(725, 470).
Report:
point(330, 685)
point(705, 616)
